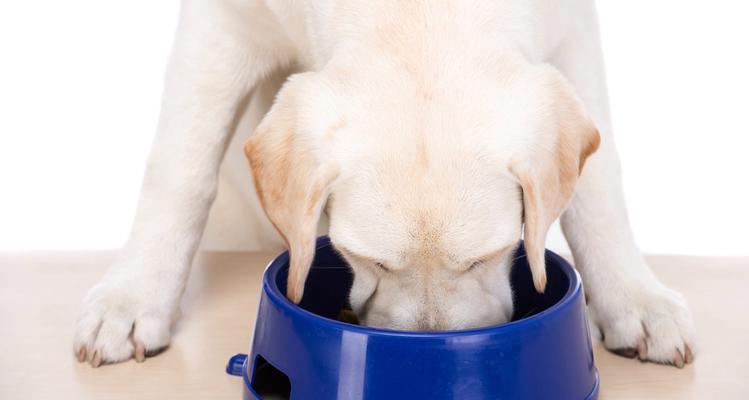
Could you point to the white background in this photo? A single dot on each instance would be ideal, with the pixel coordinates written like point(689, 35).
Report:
point(80, 85)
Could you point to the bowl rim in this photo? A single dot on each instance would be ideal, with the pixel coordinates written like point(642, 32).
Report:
point(270, 288)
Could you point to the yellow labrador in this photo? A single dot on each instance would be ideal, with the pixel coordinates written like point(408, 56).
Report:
point(434, 135)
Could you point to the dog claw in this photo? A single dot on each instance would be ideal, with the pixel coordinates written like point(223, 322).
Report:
point(678, 359)
point(688, 355)
point(96, 359)
point(140, 352)
point(82, 354)
point(642, 349)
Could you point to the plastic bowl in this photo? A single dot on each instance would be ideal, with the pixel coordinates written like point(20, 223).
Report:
point(302, 352)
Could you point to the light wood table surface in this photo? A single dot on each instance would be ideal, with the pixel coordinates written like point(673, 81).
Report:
point(40, 293)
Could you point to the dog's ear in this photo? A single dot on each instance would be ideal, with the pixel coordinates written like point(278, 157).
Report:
point(548, 170)
point(292, 180)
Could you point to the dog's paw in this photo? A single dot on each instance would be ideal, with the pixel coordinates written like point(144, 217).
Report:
point(121, 320)
point(653, 324)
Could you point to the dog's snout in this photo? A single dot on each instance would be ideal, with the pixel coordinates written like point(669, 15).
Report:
point(432, 321)
point(431, 316)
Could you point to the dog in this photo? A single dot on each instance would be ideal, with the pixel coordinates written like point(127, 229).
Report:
point(433, 135)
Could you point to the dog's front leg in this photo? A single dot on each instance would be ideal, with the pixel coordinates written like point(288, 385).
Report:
point(216, 60)
point(637, 315)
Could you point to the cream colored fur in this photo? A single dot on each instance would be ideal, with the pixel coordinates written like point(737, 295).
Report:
point(430, 133)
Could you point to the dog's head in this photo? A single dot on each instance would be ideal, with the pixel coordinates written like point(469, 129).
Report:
point(429, 181)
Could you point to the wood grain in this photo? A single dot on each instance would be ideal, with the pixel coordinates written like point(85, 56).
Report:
point(40, 293)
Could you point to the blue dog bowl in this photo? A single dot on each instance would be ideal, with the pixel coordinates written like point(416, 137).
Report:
point(302, 352)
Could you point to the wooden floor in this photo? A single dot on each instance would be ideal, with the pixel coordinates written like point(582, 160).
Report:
point(40, 294)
